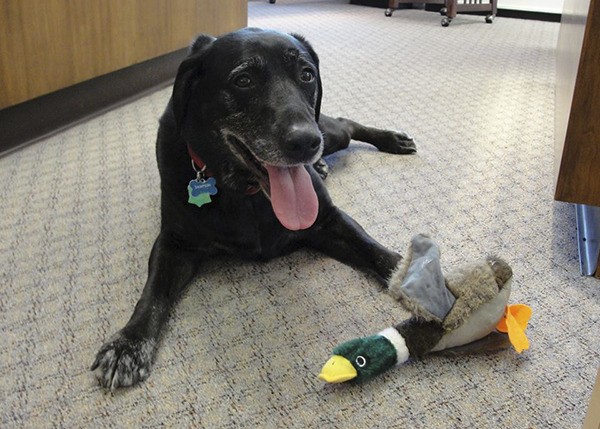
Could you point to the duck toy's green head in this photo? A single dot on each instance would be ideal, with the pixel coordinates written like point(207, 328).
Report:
point(363, 358)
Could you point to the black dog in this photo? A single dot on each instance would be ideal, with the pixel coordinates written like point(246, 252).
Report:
point(236, 147)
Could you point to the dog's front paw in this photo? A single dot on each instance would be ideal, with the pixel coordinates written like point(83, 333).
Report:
point(400, 143)
point(321, 168)
point(123, 361)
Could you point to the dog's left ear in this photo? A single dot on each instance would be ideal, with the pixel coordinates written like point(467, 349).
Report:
point(315, 59)
point(189, 70)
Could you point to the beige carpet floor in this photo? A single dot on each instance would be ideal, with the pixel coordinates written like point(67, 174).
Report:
point(80, 211)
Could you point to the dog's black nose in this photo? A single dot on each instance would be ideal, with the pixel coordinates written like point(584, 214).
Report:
point(302, 143)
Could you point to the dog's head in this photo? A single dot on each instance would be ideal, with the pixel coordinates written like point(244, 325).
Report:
point(248, 104)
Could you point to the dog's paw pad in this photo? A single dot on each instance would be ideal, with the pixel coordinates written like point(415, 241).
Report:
point(123, 362)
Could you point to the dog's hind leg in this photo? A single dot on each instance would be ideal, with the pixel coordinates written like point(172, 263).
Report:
point(338, 133)
point(127, 357)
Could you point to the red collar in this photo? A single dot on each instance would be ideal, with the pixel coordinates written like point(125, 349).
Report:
point(250, 190)
point(198, 161)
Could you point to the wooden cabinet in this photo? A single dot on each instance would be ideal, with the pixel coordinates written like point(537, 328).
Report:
point(577, 124)
point(578, 104)
point(47, 45)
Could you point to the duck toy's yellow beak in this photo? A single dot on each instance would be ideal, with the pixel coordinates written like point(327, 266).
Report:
point(337, 370)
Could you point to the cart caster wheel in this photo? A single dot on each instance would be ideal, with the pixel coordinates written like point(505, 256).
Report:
point(388, 12)
point(443, 11)
point(489, 19)
point(446, 21)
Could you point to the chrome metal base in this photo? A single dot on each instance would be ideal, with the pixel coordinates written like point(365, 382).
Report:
point(588, 237)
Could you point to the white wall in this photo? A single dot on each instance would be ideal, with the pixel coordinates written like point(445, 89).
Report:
point(551, 6)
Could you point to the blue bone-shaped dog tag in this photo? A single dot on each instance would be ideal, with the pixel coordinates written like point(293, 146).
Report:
point(199, 191)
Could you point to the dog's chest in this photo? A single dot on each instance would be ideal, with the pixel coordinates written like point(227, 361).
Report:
point(246, 229)
point(254, 242)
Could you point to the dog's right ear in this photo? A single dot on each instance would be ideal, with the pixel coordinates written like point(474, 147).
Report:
point(201, 42)
point(188, 70)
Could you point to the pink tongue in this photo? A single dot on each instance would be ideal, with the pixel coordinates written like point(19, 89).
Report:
point(293, 197)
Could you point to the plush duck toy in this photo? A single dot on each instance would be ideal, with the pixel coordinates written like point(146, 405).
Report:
point(465, 311)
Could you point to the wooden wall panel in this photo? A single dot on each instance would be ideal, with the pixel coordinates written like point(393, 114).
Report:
point(578, 103)
point(46, 45)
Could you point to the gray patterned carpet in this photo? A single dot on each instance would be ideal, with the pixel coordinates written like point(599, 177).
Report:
point(80, 213)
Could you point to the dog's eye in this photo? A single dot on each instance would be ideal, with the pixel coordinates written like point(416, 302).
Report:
point(242, 81)
point(307, 75)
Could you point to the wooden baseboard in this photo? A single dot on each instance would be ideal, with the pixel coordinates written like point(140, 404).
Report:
point(509, 13)
point(506, 13)
point(537, 16)
point(28, 122)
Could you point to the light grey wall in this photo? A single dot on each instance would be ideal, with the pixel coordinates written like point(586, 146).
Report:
point(551, 6)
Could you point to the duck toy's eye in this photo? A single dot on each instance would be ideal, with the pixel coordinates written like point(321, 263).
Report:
point(361, 361)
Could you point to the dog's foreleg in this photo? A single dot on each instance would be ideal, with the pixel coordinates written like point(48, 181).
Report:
point(127, 357)
point(342, 238)
point(338, 132)
point(397, 142)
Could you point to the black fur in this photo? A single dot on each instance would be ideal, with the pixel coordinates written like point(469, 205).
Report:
point(246, 98)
